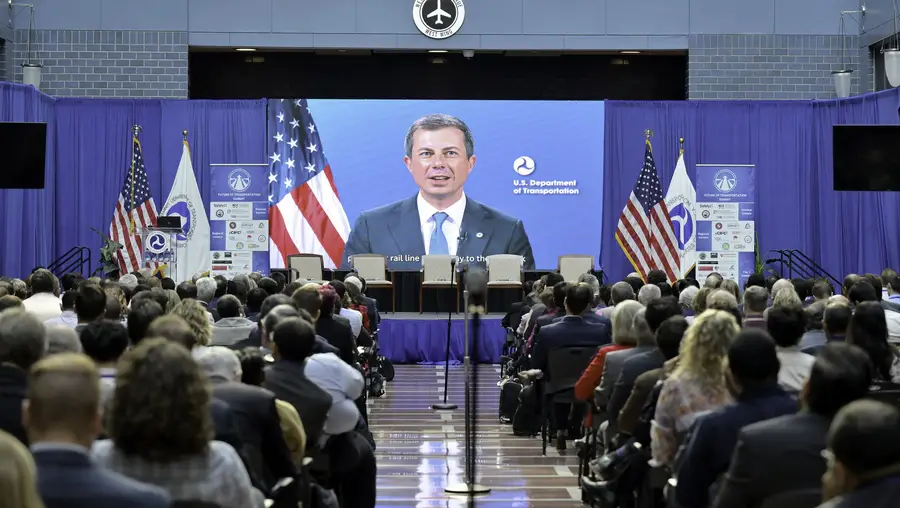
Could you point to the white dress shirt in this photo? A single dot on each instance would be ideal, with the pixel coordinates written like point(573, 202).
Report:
point(451, 225)
point(795, 368)
point(45, 306)
point(355, 319)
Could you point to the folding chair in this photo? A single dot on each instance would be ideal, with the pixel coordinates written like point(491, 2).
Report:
point(437, 273)
point(566, 366)
point(504, 271)
point(373, 268)
point(310, 267)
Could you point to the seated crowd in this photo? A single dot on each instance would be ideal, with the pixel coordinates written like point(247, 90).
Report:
point(781, 394)
point(210, 393)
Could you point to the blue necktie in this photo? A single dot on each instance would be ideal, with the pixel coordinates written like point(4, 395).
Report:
point(438, 244)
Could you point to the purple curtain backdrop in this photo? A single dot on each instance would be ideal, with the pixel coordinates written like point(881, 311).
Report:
point(790, 144)
point(425, 341)
point(29, 217)
point(95, 151)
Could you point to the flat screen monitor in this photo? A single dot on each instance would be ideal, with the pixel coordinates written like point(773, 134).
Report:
point(866, 157)
point(23, 154)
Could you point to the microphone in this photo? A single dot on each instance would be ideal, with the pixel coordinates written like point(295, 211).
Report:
point(476, 284)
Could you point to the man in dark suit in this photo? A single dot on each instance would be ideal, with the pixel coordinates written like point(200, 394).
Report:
point(440, 219)
point(570, 331)
point(21, 346)
point(62, 416)
point(319, 301)
point(560, 292)
point(255, 415)
point(785, 454)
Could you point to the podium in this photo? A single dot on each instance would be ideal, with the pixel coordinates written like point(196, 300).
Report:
point(161, 246)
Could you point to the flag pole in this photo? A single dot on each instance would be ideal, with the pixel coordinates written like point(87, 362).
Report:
point(680, 147)
point(135, 129)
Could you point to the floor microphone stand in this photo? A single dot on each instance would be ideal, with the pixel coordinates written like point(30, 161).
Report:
point(478, 289)
point(445, 406)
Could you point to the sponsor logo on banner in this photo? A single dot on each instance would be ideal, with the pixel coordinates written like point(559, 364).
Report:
point(725, 180)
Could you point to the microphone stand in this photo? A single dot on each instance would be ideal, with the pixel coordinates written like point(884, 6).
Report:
point(476, 289)
point(445, 406)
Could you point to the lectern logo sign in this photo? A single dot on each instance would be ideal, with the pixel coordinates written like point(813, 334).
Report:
point(439, 19)
point(157, 242)
point(239, 180)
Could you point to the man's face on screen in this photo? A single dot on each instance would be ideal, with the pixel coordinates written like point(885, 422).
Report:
point(439, 164)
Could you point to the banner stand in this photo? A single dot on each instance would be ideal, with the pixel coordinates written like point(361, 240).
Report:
point(239, 219)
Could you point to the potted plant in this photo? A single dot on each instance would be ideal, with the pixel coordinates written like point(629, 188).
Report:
point(109, 253)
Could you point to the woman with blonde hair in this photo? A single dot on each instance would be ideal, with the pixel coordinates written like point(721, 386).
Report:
point(195, 314)
point(18, 475)
point(697, 385)
point(173, 300)
point(732, 287)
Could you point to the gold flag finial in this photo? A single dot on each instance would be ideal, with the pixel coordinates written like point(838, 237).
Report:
point(184, 134)
point(680, 146)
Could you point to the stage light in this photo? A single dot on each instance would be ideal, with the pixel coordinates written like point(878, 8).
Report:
point(842, 82)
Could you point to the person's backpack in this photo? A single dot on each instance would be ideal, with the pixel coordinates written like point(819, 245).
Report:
point(509, 399)
point(527, 419)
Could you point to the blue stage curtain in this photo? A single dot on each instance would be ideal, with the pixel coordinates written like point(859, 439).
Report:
point(790, 144)
point(95, 152)
point(29, 217)
point(425, 341)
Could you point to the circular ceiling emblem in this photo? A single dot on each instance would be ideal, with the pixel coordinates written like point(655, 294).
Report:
point(439, 19)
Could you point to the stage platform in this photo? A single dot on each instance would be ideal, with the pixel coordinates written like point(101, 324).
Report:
point(413, 338)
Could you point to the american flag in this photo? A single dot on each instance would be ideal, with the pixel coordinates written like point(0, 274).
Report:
point(134, 210)
point(645, 230)
point(305, 213)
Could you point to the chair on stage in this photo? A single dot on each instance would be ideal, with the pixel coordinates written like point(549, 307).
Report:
point(437, 273)
point(309, 267)
point(373, 268)
point(572, 266)
point(505, 273)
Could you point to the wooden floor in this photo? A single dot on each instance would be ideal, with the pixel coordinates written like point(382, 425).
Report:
point(420, 451)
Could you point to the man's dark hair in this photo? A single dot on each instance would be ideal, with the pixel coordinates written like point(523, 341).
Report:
point(113, 308)
point(578, 298)
point(770, 282)
point(865, 436)
point(665, 289)
point(255, 298)
point(279, 279)
point(268, 285)
point(238, 289)
point(894, 284)
point(140, 288)
point(605, 294)
point(229, 307)
point(786, 324)
point(868, 330)
point(836, 319)
point(274, 301)
point(156, 295)
point(70, 281)
point(660, 310)
point(841, 374)
point(139, 319)
point(822, 289)
point(308, 299)
point(714, 280)
point(849, 281)
point(294, 338)
point(635, 282)
point(755, 279)
point(752, 358)
point(802, 287)
point(9, 302)
point(560, 289)
point(669, 335)
point(42, 281)
point(221, 285)
point(23, 340)
point(104, 340)
point(657, 276)
point(863, 291)
point(253, 366)
point(68, 300)
point(187, 290)
point(329, 301)
point(292, 288)
point(815, 316)
point(877, 284)
point(551, 279)
point(90, 304)
point(168, 284)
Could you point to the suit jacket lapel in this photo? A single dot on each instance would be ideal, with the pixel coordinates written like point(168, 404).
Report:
point(477, 227)
point(407, 231)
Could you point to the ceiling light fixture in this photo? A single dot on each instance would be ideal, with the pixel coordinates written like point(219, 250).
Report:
point(630, 52)
point(245, 49)
point(437, 50)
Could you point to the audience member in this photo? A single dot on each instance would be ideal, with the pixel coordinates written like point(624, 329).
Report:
point(269, 285)
point(255, 298)
point(319, 301)
point(891, 305)
point(90, 304)
point(876, 283)
point(162, 434)
point(195, 315)
point(752, 377)
point(648, 293)
point(868, 330)
point(686, 300)
point(18, 481)
point(67, 315)
point(785, 454)
point(755, 280)
point(815, 326)
point(822, 290)
point(342, 307)
point(787, 324)
point(168, 284)
point(361, 302)
point(756, 300)
point(696, 385)
point(22, 344)
point(620, 292)
point(44, 299)
point(732, 288)
point(862, 291)
point(280, 279)
point(154, 295)
point(10, 302)
point(61, 339)
point(232, 326)
point(62, 415)
point(104, 342)
point(174, 329)
point(713, 280)
point(139, 319)
point(863, 457)
point(187, 290)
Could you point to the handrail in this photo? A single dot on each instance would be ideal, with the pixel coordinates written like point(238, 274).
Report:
point(809, 263)
point(73, 259)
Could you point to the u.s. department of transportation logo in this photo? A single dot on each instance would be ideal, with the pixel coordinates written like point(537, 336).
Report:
point(157, 242)
point(439, 19)
point(181, 206)
point(524, 165)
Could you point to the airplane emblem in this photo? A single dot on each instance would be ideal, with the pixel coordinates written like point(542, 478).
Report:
point(439, 13)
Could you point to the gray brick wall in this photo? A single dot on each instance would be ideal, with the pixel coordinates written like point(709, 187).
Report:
point(5, 60)
point(108, 63)
point(769, 66)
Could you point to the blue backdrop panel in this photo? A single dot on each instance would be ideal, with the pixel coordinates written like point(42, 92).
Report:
point(29, 217)
point(790, 144)
point(364, 143)
point(425, 340)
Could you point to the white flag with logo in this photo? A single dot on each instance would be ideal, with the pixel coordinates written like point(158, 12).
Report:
point(185, 201)
point(680, 201)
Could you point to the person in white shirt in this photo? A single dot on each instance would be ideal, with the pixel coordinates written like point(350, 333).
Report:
point(786, 325)
point(354, 316)
point(44, 301)
point(68, 316)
